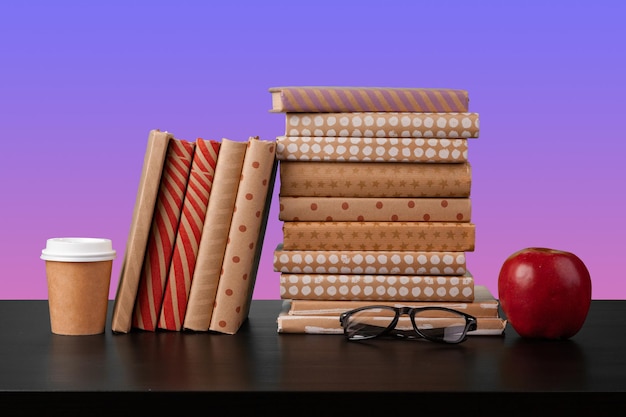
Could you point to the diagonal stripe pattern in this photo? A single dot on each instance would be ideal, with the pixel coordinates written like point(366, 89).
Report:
point(189, 233)
point(162, 233)
point(351, 99)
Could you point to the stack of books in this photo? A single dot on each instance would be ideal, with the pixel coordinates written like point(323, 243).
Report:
point(375, 203)
point(196, 235)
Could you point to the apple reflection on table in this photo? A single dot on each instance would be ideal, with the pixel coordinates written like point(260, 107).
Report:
point(543, 365)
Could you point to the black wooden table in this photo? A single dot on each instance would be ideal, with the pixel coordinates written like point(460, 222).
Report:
point(258, 369)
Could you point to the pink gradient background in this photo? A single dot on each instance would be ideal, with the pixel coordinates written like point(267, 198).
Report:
point(82, 84)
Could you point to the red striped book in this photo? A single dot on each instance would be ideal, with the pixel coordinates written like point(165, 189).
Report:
point(162, 234)
point(189, 233)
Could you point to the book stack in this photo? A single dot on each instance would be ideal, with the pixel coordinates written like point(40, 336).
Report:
point(375, 202)
point(196, 235)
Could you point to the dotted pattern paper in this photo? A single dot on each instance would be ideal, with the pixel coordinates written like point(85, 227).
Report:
point(383, 125)
point(374, 209)
point(214, 235)
point(236, 283)
point(369, 262)
point(373, 179)
point(392, 236)
point(189, 233)
point(483, 305)
point(380, 99)
point(163, 232)
point(305, 148)
point(376, 287)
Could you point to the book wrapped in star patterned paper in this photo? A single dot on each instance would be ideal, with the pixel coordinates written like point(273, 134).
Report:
point(374, 179)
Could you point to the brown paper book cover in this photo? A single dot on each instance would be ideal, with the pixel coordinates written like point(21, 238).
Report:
point(245, 240)
point(367, 99)
point(369, 262)
point(388, 209)
point(185, 252)
point(136, 244)
point(484, 305)
point(392, 236)
point(165, 222)
point(362, 287)
point(357, 149)
point(486, 326)
point(214, 235)
point(374, 179)
point(383, 125)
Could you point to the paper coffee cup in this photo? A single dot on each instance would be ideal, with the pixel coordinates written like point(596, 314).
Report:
point(78, 272)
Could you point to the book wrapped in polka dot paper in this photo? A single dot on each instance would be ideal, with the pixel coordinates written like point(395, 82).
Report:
point(390, 209)
point(377, 287)
point(404, 262)
point(305, 148)
point(245, 239)
point(383, 125)
point(214, 235)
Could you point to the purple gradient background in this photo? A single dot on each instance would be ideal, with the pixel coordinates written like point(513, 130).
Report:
point(82, 84)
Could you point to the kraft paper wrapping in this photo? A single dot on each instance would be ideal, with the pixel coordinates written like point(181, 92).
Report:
point(484, 305)
point(214, 235)
point(383, 125)
point(189, 233)
point(365, 99)
point(391, 236)
point(78, 296)
point(369, 262)
point(136, 243)
point(162, 236)
point(356, 287)
point(374, 209)
point(305, 148)
point(241, 257)
point(485, 326)
point(374, 179)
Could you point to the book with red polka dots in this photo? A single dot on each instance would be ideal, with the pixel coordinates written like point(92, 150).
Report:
point(245, 238)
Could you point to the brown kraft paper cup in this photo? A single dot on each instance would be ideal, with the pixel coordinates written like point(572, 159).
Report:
point(78, 287)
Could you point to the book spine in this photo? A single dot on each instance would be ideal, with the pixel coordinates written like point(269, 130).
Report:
point(373, 179)
point(154, 159)
point(374, 209)
point(486, 326)
point(369, 262)
point(241, 257)
point(331, 149)
point(358, 287)
point(366, 99)
point(183, 261)
point(335, 307)
point(383, 125)
point(214, 236)
point(391, 236)
point(162, 235)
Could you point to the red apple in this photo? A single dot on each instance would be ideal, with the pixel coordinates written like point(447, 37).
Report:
point(544, 293)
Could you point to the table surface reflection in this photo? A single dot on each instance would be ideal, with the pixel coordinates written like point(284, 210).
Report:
point(259, 360)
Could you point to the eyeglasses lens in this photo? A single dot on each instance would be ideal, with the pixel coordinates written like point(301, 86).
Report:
point(441, 325)
point(368, 323)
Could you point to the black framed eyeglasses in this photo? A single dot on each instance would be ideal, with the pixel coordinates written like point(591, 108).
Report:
point(437, 324)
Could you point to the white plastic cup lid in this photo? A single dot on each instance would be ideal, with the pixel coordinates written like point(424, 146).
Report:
point(78, 249)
